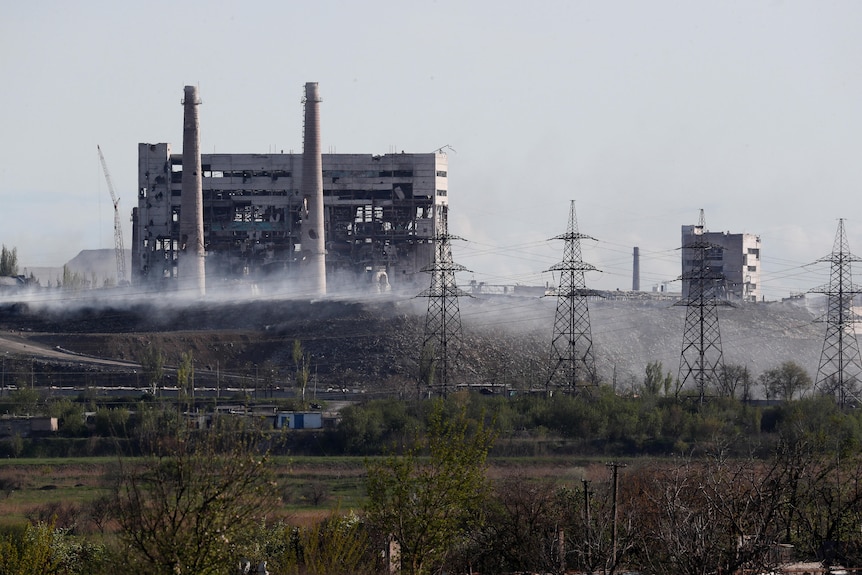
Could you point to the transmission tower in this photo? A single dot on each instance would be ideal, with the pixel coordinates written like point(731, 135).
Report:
point(572, 361)
point(442, 342)
point(701, 356)
point(840, 366)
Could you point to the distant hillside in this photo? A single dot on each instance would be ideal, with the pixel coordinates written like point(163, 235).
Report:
point(628, 334)
point(102, 263)
point(367, 343)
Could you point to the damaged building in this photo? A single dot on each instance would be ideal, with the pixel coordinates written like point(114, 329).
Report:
point(735, 258)
point(380, 217)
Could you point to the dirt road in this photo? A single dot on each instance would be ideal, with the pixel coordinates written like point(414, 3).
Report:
point(13, 343)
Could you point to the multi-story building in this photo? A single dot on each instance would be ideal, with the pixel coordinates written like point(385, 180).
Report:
point(381, 214)
point(735, 258)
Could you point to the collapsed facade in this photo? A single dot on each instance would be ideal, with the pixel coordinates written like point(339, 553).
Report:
point(381, 214)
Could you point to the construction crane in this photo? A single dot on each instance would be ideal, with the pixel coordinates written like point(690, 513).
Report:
point(118, 231)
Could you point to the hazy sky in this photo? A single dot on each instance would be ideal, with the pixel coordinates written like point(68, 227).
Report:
point(642, 112)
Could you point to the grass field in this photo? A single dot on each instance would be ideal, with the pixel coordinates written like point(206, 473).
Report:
point(308, 487)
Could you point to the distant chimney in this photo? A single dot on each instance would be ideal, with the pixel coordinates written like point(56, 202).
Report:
point(636, 269)
point(190, 261)
point(313, 233)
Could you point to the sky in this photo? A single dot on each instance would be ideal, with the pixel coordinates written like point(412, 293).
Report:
point(643, 113)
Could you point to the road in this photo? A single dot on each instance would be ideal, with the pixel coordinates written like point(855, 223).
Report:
point(12, 343)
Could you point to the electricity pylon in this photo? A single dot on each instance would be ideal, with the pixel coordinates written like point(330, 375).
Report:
point(442, 341)
point(572, 361)
point(701, 356)
point(840, 366)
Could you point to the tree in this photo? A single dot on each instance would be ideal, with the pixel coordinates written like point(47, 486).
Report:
point(300, 362)
point(8, 261)
point(192, 503)
point(428, 504)
point(27, 551)
point(37, 549)
point(152, 362)
point(70, 416)
point(712, 516)
point(784, 381)
point(655, 380)
point(186, 379)
point(72, 280)
point(734, 380)
point(822, 474)
point(525, 516)
point(24, 401)
point(99, 511)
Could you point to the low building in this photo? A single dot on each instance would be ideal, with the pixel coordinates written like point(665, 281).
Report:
point(27, 426)
point(299, 420)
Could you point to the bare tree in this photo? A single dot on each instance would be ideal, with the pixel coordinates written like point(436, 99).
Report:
point(822, 476)
point(189, 505)
point(733, 381)
point(522, 529)
point(713, 516)
point(99, 511)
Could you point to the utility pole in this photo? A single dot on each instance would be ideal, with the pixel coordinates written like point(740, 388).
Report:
point(614, 489)
point(840, 367)
point(572, 360)
point(588, 522)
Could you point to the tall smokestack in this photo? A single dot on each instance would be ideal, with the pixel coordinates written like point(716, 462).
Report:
point(190, 265)
point(313, 250)
point(636, 269)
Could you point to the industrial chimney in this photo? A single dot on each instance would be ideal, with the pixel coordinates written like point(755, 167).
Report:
point(636, 269)
point(313, 246)
point(190, 262)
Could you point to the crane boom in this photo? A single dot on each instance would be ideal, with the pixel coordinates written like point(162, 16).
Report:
point(118, 231)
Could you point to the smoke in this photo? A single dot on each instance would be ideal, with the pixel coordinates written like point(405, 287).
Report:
point(358, 330)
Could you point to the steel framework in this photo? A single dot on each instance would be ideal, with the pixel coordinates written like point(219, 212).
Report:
point(442, 341)
point(572, 361)
point(119, 248)
point(701, 356)
point(839, 371)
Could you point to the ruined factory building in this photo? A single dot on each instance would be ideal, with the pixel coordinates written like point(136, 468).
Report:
point(380, 216)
